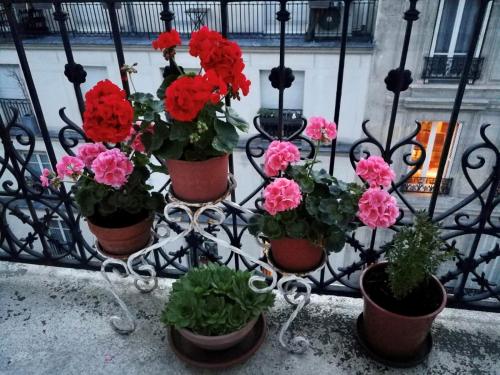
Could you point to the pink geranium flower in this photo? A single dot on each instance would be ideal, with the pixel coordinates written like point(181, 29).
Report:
point(321, 130)
point(281, 195)
point(112, 168)
point(69, 166)
point(375, 171)
point(377, 208)
point(44, 177)
point(89, 151)
point(278, 156)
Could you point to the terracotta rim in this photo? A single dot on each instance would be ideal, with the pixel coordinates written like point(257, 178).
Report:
point(365, 295)
point(249, 325)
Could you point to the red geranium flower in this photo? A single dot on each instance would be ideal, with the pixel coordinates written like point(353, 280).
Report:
point(221, 56)
point(108, 115)
point(167, 39)
point(186, 96)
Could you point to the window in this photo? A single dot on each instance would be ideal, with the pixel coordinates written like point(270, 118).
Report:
point(39, 160)
point(59, 237)
point(451, 40)
point(432, 136)
point(454, 27)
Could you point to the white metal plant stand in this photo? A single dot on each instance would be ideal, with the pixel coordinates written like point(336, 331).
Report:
point(288, 285)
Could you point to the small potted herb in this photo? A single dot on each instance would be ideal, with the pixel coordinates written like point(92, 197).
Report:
point(401, 296)
point(214, 308)
point(110, 173)
point(201, 129)
point(308, 211)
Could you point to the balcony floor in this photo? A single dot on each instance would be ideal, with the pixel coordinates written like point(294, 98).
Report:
point(55, 321)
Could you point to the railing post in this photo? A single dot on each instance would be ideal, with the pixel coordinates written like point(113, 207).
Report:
point(340, 79)
point(115, 29)
point(224, 18)
point(74, 72)
point(23, 61)
point(457, 104)
point(167, 16)
point(283, 16)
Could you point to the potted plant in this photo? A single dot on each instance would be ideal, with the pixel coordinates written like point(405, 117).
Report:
point(110, 182)
point(213, 307)
point(401, 296)
point(200, 130)
point(308, 211)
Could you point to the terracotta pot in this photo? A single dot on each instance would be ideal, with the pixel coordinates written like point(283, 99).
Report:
point(393, 335)
point(199, 181)
point(123, 241)
point(218, 342)
point(296, 255)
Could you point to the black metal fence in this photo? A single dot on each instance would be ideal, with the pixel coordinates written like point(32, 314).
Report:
point(313, 20)
point(450, 68)
point(34, 209)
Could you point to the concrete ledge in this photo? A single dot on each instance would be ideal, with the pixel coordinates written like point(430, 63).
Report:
point(55, 321)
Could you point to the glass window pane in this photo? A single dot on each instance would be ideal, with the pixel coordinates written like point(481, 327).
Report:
point(466, 26)
point(446, 26)
point(437, 149)
point(423, 139)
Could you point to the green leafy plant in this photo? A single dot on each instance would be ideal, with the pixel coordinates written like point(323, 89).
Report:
point(414, 254)
point(327, 212)
point(214, 300)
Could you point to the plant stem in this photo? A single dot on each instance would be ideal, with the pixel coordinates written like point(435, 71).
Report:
point(316, 152)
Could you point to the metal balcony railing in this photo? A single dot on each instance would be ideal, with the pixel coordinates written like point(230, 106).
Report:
point(450, 68)
point(426, 185)
point(311, 20)
point(471, 231)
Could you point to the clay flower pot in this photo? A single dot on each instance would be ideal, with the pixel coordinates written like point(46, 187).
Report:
point(123, 241)
point(393, 335)
point(199, 181)
point(218, 342)
point(296, 255)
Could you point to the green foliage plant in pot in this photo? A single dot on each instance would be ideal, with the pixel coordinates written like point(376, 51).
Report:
point(110, 182)
point(214, 308)
point(200, 130)
point(308, 212)
point(401, 296)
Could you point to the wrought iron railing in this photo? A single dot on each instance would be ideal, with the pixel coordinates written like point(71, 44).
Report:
point(310, 20)
point(426, 185)
point(22, 108)
point(450, 68)
point(471, 224)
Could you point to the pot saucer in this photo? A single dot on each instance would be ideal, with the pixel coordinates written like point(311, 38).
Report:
point(269, 255)
point(418, 358)
point(219, 359)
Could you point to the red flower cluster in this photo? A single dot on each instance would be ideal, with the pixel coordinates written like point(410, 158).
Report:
point(222, 56)
point(187, 95)
point(167, 39)
point(108, 115)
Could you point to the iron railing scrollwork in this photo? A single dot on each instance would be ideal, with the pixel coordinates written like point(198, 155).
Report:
point(471, 224)
point(446, 68)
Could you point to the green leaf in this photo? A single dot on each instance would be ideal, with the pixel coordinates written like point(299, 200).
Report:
point(171, 149)
point(255, 224)
point(272, 228)
point(234, 119)
point(335, 241)
point(226, 138)
point(180, 131)
point(297, 229)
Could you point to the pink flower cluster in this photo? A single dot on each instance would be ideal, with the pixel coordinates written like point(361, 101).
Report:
point(375, 171)
point(137, 144)
point(89, 151)
point(278, 156)
point(69, 166)
point(321, 130)
point(281, 195)
point(45, 177)
point(112, 168)
point(377, 208)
